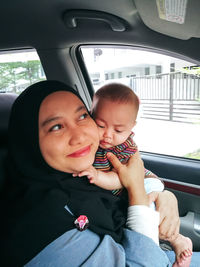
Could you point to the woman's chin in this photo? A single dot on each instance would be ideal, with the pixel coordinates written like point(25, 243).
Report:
point(82, 165)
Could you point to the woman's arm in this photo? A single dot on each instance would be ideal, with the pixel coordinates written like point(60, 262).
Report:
point(132, 178)
point(143, 251)
point(141, 218)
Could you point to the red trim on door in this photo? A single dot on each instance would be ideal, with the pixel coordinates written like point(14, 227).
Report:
point(183, 188)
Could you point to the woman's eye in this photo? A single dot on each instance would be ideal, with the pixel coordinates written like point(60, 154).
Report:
point(55, 127)
point(84, 116)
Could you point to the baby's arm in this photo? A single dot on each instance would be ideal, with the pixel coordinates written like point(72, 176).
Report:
point(107, 180)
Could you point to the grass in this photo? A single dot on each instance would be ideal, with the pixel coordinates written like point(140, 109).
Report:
point(193, 155)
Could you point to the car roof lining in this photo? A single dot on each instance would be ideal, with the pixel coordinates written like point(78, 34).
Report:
point(20, 21)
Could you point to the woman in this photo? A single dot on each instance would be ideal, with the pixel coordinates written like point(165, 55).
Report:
point(51, 135)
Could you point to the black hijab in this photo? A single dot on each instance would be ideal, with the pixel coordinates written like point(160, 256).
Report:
point(33, 200)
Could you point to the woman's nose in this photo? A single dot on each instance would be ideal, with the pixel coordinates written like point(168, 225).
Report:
point(77, 137)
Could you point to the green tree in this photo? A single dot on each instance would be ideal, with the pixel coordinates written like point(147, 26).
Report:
point(8, 72)
point(12, 72)
point(31, 71)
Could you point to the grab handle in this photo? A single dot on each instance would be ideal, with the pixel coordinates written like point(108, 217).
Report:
point(71, 17)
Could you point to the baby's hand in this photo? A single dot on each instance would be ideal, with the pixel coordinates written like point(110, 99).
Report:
point(91, 173)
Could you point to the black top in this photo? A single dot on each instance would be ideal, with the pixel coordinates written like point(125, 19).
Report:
point(34, 196)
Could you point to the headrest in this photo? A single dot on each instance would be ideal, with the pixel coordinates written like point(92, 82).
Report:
point(6, 101)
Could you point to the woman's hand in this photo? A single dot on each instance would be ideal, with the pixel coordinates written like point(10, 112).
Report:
point(131, 177)
point(166, 204)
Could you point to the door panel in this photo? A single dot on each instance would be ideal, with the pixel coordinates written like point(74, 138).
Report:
point(189, 210)
point(173, 168)
point(182, 177)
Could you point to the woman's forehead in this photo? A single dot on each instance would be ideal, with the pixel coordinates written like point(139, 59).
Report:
point(60, 97)
point(58, 102)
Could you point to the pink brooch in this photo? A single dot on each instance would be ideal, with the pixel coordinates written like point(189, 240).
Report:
point(81, 222)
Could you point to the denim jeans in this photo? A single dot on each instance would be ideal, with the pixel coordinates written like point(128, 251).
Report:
point(86, 249)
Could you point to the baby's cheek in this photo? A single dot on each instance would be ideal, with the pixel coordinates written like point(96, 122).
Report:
point(101, 133)
point(120, 139)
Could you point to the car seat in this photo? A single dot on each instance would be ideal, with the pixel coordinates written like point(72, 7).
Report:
point(6, 101)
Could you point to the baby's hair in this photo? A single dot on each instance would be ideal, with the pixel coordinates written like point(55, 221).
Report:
point(116, 92)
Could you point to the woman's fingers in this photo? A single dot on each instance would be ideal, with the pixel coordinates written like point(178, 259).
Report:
point(114, 161)
point(117, 164)
point(135, 156)
point(130, 174)
point(135, 160)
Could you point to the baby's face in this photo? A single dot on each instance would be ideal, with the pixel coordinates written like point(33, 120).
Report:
point(115, 122)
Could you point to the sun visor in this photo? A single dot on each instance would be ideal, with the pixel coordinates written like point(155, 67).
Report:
point(179, 19)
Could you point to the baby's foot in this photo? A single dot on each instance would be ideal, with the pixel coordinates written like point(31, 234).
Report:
point(183, 248)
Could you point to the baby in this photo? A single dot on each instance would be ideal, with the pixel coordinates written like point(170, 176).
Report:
point(115, 108)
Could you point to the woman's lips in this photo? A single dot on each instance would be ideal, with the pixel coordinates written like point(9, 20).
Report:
point(81, 152)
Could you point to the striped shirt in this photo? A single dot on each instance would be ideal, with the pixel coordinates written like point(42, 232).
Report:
point(123, 153)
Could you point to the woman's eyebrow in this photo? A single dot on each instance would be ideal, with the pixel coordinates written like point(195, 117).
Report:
point(49, 120)
point(82, 107)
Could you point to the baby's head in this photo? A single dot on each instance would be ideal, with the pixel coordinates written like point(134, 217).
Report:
point(114, 108)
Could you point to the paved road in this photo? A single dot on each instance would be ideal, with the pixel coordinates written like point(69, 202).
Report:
point(165, 137)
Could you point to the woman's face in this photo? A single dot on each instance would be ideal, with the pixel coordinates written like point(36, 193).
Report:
point(68, 137)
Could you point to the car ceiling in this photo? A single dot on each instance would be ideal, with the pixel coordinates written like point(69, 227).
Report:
point(42, 24)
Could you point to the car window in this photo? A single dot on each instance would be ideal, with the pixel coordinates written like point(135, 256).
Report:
point(169, 91)
point(18, 70)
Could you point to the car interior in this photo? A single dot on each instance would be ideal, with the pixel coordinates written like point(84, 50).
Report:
point(59, 31)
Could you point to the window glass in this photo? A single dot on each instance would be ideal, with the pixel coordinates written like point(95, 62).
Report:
point(18, 70)
point(169, 91)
